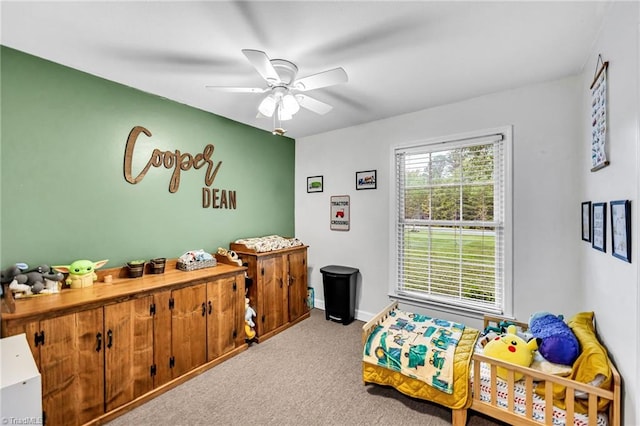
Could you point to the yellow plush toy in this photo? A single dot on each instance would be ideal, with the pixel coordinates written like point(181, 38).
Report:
point(511, 348)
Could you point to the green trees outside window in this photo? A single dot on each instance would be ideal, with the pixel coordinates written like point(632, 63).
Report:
point(450, 200)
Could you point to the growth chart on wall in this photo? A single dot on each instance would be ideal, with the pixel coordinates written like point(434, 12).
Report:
point(599, 117)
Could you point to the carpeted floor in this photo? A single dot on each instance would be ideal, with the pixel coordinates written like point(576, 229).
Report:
point(309, 374)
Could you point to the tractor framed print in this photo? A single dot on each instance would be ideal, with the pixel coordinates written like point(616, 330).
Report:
point(366, 180)
point(314, 184)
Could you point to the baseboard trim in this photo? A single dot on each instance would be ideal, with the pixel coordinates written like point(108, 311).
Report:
point(360, 315)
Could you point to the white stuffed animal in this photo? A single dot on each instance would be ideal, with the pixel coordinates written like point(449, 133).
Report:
point(248, 320)
point(249, 313)
point(231, 255)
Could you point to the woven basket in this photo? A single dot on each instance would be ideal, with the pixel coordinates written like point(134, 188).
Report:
point(196, 265)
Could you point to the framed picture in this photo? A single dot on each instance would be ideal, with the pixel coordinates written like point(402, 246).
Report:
point(366, 179)
point(314, 184)
point(340, 213)
point(621, 229)
point(599, 116)
point(586, 221)
point(599, 226)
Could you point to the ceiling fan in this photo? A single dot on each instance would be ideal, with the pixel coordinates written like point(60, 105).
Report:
point(284, 92)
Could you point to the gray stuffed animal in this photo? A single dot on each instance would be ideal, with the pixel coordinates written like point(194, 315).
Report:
point(35, 278)
point(7, 275)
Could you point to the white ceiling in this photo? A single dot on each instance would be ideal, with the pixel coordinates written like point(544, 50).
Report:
point(400, 56)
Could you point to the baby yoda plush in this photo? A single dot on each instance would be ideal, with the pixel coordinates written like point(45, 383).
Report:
point(81, 272)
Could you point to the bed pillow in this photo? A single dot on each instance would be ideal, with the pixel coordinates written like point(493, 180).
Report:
point(591, 367)
point(558, 344)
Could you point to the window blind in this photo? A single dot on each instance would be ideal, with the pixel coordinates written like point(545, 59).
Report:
point(450, 222)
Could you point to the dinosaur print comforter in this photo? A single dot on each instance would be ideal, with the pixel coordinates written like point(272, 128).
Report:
point(417, 346)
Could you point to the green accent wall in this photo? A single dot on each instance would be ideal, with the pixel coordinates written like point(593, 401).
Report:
point(63, 192)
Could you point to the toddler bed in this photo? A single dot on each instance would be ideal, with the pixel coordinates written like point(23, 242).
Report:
point(568, 400)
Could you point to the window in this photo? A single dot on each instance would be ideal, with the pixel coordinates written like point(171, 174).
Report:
point(453, 226)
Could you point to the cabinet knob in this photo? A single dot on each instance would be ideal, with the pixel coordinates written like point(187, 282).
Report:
point(98, 342)
point(109, 339)
point(210, 307)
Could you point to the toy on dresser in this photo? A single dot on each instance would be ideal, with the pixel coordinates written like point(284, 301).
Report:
point(81, 272)
point(24, 282)
point(231, 255)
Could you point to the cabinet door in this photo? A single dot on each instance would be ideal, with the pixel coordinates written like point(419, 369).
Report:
point(129, 350)
point(222, 329)
point(162, 337)
point(297, 284)
point(255, 292)
point(30, 329)
point(274, 303)
point(240, 309)
point(72, 367)
point(189, 328)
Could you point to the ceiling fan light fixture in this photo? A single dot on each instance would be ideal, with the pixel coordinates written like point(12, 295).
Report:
point(267, 106)
point(290, 104)
point(284, 115)
point(282, 101)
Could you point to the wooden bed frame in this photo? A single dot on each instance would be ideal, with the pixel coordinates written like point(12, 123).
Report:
point(508, 415)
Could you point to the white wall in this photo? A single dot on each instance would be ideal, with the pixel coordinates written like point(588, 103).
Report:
point(553, 269)
point(546, 134)
point(609, 285)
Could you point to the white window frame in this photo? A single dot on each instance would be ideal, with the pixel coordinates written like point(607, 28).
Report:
point(452, 141)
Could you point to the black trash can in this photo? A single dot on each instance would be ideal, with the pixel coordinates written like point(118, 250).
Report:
point(339, 283)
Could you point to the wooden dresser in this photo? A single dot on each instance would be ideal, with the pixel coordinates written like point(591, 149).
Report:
point(105, 349)
point(279, 287)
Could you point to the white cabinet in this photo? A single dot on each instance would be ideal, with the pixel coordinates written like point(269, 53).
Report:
point(20, 383)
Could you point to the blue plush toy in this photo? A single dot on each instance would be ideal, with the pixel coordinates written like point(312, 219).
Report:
point(558, 343)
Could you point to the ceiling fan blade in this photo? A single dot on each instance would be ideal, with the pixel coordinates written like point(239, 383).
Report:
point(314, 105)
point(322, 79)
point(237, 89)
point(262, 64)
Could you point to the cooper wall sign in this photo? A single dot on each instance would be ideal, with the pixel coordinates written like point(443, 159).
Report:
point(180, 162)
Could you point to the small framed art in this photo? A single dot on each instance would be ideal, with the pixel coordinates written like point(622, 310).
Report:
point(366, 179)
point(621, 229)
point(340, 217)
point(314, 184)
point(586, 221)
point(599, 226)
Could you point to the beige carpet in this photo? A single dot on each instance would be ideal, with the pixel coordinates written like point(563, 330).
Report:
point(309, 374)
